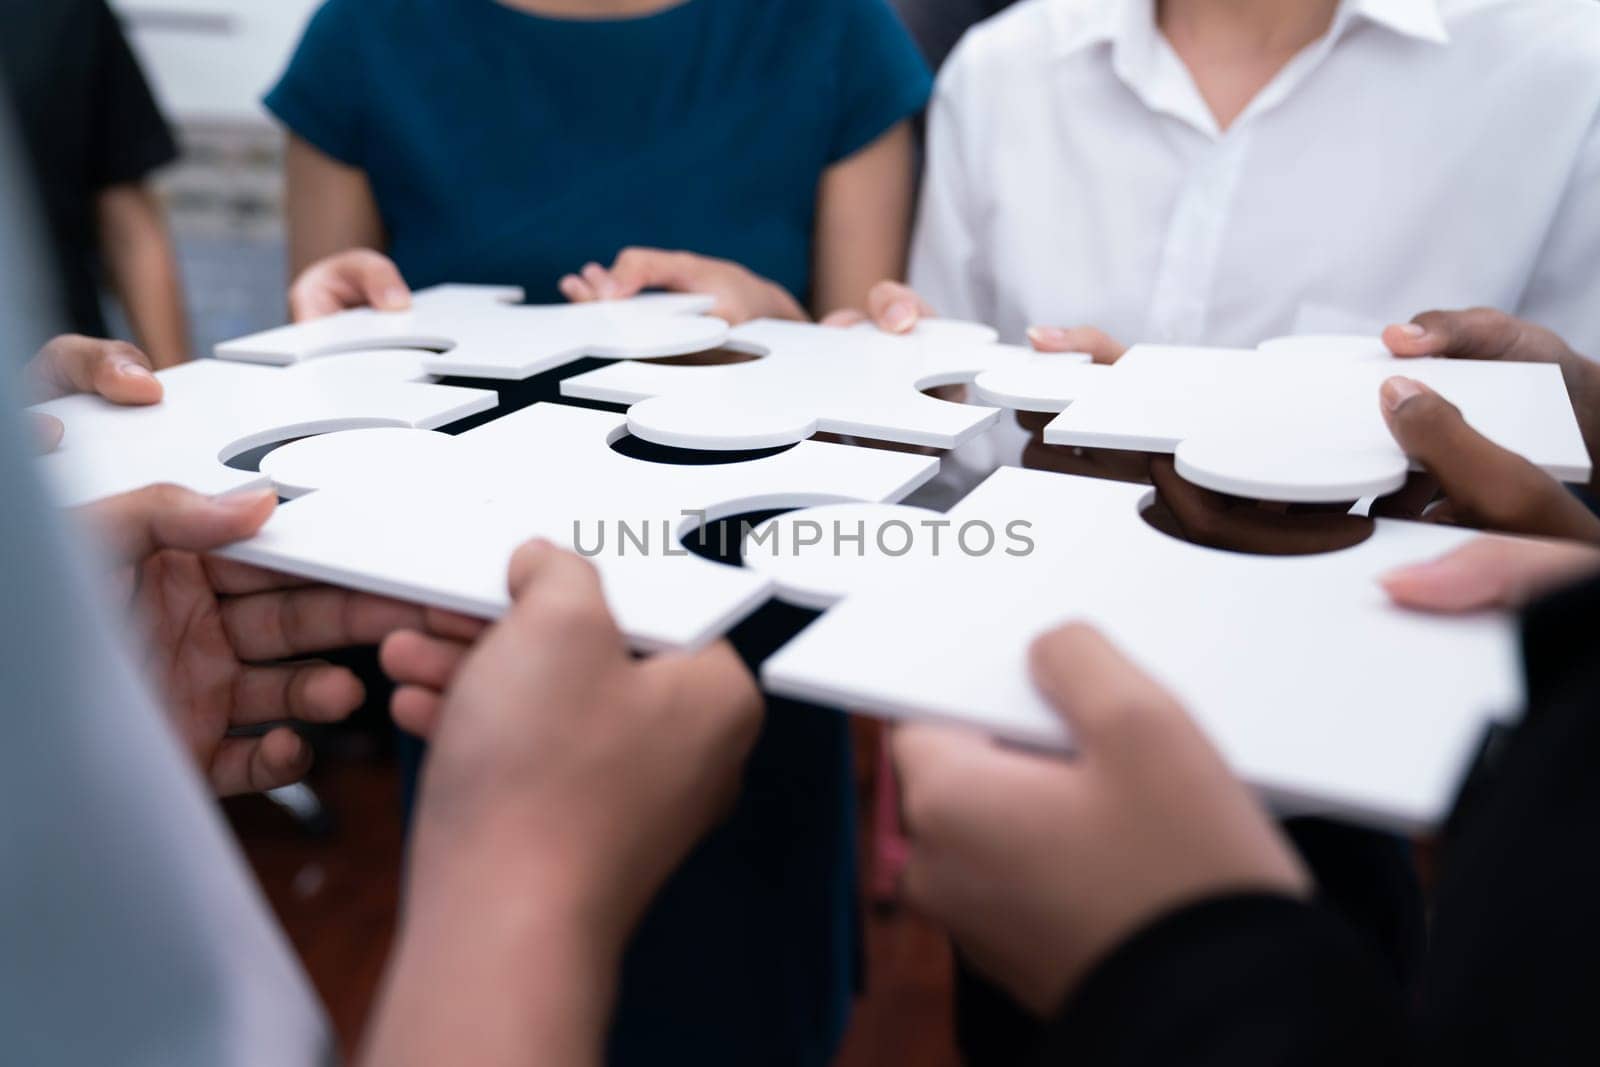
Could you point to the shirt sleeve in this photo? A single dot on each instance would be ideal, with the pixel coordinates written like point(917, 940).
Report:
point(319, 97)
point(1561, 291)
point(1235, 981)
point(882, 76)
point(945, 268)
point(130, 138)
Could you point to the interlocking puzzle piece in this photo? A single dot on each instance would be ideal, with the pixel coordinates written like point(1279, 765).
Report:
point(811, 379)
point(1297, 420)
point(486, 332)
point(212, 411)
point(435, 519)
point(1314, 687)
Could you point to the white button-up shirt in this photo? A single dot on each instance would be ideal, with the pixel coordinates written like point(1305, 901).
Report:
point(1421, 154)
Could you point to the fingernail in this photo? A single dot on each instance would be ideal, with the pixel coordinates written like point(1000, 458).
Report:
point(134, 370)
point(1413, 329)
point(248, 500)
point(1396, 391)
point(1047, 336)
point(396, 298)
point(900, 317)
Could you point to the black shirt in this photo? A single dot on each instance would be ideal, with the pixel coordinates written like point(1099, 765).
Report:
point(87, 122)
point(1512, 974)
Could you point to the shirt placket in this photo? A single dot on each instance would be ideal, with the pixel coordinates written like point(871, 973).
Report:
point(1181, 301)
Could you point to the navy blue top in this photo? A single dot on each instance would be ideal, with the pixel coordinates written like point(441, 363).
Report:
point(510, 148)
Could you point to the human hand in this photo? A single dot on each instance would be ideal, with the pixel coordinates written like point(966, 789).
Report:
point(217, 633)
point(115, 370)
point(1484, 485)
point(551, 741)
point(1112, 463)
point(1476, 333)
point(1491, 573)
point(891, 306)
point(355, 278)
point(741, 294)
point(1040, 866)
point(1483, 333)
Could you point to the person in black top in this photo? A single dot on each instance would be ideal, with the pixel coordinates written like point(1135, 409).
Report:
point(1142, 904)
point(93, 136)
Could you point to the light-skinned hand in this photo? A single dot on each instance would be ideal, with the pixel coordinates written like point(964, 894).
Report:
point(1041, 866)
point(224, 640)
point(552, 738)
point(741, 294)
point(1492, 573)
point(356, 278)
point(115, 370)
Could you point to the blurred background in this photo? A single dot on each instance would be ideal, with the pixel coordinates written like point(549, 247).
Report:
point(209, 62)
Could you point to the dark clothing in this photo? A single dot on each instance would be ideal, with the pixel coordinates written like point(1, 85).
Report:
point(87, 120)
point(510, 147)
point(1511, 975)
point(938, 24)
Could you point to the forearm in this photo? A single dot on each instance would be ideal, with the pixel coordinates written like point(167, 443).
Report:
point(330, 207)
point(495, 964)
point(863, 222)
point(142, 269)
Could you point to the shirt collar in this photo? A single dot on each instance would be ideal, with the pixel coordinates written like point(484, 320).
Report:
point(1420, 19)
point(1078, 26)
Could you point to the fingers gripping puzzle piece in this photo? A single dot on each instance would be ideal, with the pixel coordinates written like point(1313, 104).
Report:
point(212, 411)
point(1297, 420)
point(1311, 683)
point(486, 332)
point(811, 379)
point(435, 519)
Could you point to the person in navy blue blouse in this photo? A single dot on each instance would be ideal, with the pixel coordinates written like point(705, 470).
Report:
point(514, 142)
point(767, 145)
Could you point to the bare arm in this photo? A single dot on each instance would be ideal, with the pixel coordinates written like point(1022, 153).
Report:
point(863, 222)
point(330, 207)
point(142, 268)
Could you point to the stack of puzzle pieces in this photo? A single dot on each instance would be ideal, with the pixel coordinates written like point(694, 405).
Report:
point(1315, 688)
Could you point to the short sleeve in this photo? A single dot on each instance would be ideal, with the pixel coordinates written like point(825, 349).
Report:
point(882, 76)
point(320, 96)
point(130, 138)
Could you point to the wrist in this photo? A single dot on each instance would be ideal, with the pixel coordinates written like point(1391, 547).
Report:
point(495, 961)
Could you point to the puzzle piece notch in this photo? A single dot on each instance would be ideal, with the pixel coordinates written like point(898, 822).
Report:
point(435, 518)
point(1312, 684)
point(1232, 418)
point(485, 331)
point(809, 379)
point(213, 411)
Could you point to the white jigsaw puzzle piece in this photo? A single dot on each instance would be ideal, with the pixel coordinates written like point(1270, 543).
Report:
point(810, 379)
point(1314, 687)
point(486, 332)
point(212, 411)
point(1297, 420)
point(435, 519)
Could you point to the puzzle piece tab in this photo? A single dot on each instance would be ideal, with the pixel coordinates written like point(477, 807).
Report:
point(811, 379)
point(1297, 420)
point(435, 519)
point(213, 411)
point(1314, 687)
point(486, 332)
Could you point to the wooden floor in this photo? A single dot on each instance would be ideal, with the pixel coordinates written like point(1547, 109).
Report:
point(337, 895)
